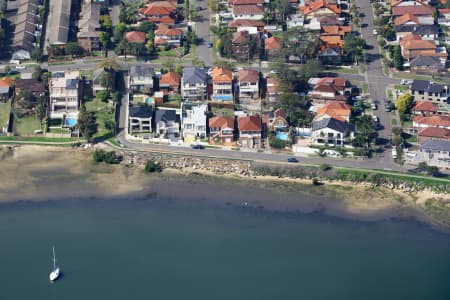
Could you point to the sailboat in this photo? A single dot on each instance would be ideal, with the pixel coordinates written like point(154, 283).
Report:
point(55, 272)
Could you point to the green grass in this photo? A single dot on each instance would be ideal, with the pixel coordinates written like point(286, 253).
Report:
point(5, 109)
point(401, 87)
point(172, 52)
point(26, 125)
point(394, 121)
point(390, 94)
point(37, 139)
point(365, 88)
point(104, 112)
point(342, 70)
point(407, 124)
point(412, 139)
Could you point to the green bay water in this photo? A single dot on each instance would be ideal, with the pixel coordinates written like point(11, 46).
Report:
point(114, 249)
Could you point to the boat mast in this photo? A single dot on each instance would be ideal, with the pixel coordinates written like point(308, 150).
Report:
point(54, 258)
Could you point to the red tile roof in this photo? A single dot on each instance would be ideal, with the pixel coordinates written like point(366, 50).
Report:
point(434, 132)
point(240, 37)
point(6, 81)
point(272, 43)
point(162, 20)
point(413, 10)
point(244, 2)
point(425, 106)
point(220, 74)
point(433, 121)
point(311, 6)
point(137, 37)
point(165, 30)
point(444, 10)
point(337, 81)
point(406, 18)
point(248, 10)
point(249, 123)
point(221, 122)
point(245, 23)
point(170, 78)
point(159, 8)
point(335, 109)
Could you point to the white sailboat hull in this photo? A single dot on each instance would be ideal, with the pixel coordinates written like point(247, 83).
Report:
point(54, 274)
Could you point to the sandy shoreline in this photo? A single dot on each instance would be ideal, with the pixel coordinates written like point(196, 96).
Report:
point(57, 173)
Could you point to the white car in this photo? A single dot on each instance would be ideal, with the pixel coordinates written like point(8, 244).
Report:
point(375, 32)
point(375, 119)
point(20, 67)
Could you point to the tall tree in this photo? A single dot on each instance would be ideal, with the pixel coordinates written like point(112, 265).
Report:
point(398, 58)
point(41, 108)
point(353, 46)
point(103, 38)
point(86, 123)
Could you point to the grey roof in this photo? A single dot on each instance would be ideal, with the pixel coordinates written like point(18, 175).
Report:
point(435, 145)
point(25, 25)
point(418, 29)
point(333, 124)
point(140, 112)
point(58, 74)
point(427, 86)
point(71, 83)
point(59, 22)
point(142, 71)
point(424, 61)
point(4, 90)
point(89, 20)
point(165, 115)
point(194, 75)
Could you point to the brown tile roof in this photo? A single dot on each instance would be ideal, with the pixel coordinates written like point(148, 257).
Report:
point(311, 6)
point(444, 10)
point(433, 121)
point(166, 30)
point(6, 81)
point(245, 75)
point(162, 20)
point(170, 79)
point(135, 37)
point(413, 10)
point(397, 2)
point(272, 43)
point(336, 30)
point(435, 132)
point(425, 106)
point(337, 81)
point(329, 20)
point(335, 109)
point(406, 18)
point(159, 8)
point(220, 74)
point(273, 85)
point(245, 23)
point(221, 122)
point(332, 40)
point(248, 10)
point(249, 123)
point(240, 37)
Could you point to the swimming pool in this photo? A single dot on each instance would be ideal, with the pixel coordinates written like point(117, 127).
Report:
point(70, 122)
point(222, 97)
point(149, 100)
point(284, 136)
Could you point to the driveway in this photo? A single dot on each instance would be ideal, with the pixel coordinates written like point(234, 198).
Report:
point(201, 28)
point(374, 70)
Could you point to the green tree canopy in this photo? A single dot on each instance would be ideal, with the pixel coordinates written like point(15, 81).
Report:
point(87, 123)
point(398, 58)
point(353, 46)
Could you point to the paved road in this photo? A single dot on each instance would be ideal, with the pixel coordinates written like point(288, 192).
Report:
point(202, 30)
point(374, 70)
point(115, 12)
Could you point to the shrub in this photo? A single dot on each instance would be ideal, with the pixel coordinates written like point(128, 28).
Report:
point(324, 167)
point(153, 166)
point(99, 155)
point(110, 157)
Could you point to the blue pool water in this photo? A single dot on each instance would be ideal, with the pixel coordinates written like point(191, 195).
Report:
point(70, 122)
point(224, 97)
point(284, 136)
point(149, 100)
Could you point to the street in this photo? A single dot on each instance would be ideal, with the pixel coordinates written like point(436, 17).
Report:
point(374, 70)
point(202, 30)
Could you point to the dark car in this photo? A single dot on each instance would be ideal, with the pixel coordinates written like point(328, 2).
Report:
point(209, 45)
point(292, 160)
point(198, 8)
point(197, 146)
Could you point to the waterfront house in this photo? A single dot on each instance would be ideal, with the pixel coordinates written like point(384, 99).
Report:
point(167, 124)
point(141, 79)
point(430, 91)
point(193, 122)
point(433, 153)
point(222, 80)
point(140, 119)
point(221, 130)
point(194, 84)
point(332, 132)
point(169, 83)
point(279, 123)
point(250, 131)
point(65, 91)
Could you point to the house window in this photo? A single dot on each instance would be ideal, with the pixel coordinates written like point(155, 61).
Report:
point(330, 135)
point(421, 92)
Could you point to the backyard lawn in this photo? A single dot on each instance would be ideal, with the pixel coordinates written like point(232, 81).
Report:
point(104, 113)
point(26, 125)
point(5, 108)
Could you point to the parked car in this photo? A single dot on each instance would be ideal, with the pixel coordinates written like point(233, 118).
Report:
point(356, 104)
point(375, 119)
point(373, 106)
point(292, 160)
point(375, 32)
point(197, 146)
point(21, 67)
point(198, 8)
point(387, 108)
point(403, 82)
point(210, 45)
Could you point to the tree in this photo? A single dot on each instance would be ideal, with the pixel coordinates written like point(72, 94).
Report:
point(398, 58)
point(119, 32)
point(283, 8)
point(366, 130)
point(353, 46)
point(404, 103)
point(37, 72)
point(73, 49)
point(152, 166)
point(146, 26)
point(36, 54)
point(311, 68)
point(109, 64)
point(106, 23)
point(86, 123)
point(41, 108)
point(103, 38)
point(107, 81)
point(102, 95)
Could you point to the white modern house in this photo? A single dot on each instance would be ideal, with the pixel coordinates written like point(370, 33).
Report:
point(65, 91)
point(193, 122)
point(167, 124)
point(140, 119)
point(332, 132)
